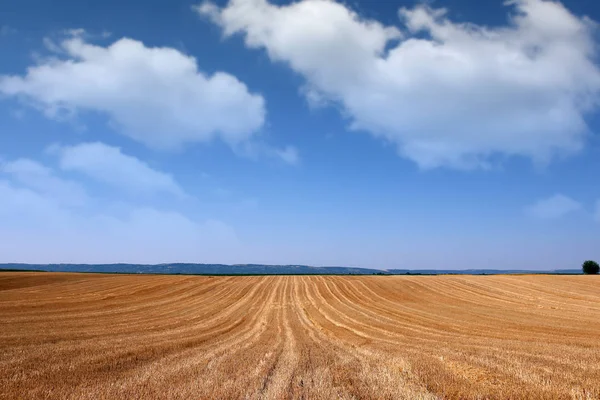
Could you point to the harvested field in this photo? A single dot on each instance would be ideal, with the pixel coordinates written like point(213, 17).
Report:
point(84, 336)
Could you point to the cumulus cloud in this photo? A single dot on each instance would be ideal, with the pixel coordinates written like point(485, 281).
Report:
point(155, 95)
point(59, 232)
point(445, 93)
point(109, 165)
point(554, 207)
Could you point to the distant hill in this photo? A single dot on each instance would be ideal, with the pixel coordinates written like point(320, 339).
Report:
point(255, 269)
point(479, 271)
point(193, 269)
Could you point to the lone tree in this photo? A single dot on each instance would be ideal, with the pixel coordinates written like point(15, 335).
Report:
point(590, 267)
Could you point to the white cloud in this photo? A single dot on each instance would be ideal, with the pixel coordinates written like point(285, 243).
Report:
point(109, 165)
point(34, 175)
point(446, 93)
point(155, 95)
point(37, 228)
point(554, 207)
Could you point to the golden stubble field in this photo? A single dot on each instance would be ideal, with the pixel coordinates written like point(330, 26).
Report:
point(86, 336)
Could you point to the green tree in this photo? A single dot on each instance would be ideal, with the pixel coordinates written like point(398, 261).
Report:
point(590, 267)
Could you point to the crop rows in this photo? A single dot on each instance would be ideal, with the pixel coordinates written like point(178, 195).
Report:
point(86, 336)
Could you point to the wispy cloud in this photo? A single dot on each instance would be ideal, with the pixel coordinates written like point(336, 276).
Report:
point(6, 30)
point(135, 234)
point(255, 150)
point(110, 165)
point(35, 176)
point(289, 155)
point(554, 207)
point(64, 223)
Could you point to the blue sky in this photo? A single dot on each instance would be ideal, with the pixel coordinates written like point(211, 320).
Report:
point(445, 134)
